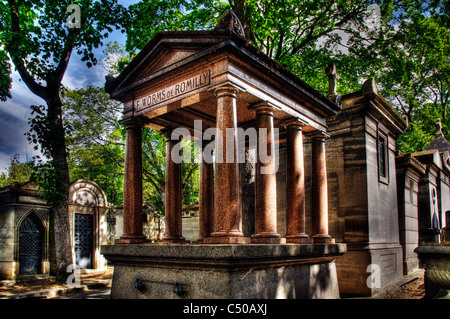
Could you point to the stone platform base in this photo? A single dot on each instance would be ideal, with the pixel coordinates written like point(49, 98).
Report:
point(366, 269)
point(254, 271)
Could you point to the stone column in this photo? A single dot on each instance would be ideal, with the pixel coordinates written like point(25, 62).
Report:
point(173, 195)
point(227, 202)
point(319, 192)
point(265, 181)
point(132, 190)
point(295, 183)
point(206, 202)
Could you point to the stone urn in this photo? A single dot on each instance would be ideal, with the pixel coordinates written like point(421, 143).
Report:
point(436, 259)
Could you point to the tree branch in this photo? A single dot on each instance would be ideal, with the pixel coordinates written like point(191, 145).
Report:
point(14, 52)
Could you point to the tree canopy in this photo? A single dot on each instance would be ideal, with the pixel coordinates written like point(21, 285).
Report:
point(404, 45)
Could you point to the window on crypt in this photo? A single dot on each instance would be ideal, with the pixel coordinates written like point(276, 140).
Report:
point(382, 151)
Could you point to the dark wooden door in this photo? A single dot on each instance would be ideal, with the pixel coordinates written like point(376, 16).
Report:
point(31, 235)
point(83, 240)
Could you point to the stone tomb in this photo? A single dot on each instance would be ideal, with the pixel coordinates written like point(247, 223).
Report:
point(177, 80)
point(27, 249)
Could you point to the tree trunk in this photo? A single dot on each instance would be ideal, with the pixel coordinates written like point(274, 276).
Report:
point(60, 210)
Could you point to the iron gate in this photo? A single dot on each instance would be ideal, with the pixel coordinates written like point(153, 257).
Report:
point(83, 240)
point(30, 246)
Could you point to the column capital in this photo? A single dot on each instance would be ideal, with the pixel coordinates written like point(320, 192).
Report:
point(263, 107)
point(226, 90)
point(318, 135)
point(293, 122)
point(132, 122)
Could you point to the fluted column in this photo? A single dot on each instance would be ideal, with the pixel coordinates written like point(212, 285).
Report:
point(206, 200)
point(173, 195)
point(265, 181)
point(295, 184)
point(319, 200)
point(227, 201)
point(132, 191)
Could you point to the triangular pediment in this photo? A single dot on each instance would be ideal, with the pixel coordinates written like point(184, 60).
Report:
point(166, 51)
point(164, 59)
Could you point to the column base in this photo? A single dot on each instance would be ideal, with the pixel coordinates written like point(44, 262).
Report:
point(301, 238)
point(131, 239)
point(267, 238)
point(174, 240)
point(226, 240)
point(322, 239)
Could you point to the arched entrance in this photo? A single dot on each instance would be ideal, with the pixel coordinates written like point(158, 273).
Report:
point(31, 235)
point(87, 209)
point(83, 240)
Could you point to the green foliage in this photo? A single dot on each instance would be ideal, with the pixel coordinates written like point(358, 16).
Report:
point(406, 51)
point(17, 172)
point(48, 177)
point(423, 129)
point(413, 139)
point(50, 182)
point(148, 17)
point(5, 78)
point(39, 41)
point(154, 163)
point(41, 132)
point(94, 139)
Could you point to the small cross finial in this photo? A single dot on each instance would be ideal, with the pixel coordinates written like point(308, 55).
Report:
point(332, 75)
point(439, 127)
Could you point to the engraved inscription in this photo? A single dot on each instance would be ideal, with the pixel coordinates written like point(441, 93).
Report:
point(173, 91)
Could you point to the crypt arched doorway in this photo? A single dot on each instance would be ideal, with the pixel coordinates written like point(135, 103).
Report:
point(87, 210)
point(31, 245)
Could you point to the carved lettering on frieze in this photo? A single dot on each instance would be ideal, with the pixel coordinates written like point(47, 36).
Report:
point(173, 91)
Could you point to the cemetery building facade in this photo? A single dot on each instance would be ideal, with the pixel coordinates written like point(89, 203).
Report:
point(26, 247)
point(214, 77)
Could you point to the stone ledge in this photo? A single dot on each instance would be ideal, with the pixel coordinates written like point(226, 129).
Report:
point(221, 256)
point(253, 271)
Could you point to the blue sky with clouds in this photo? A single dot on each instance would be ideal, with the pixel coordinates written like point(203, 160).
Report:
point(15, 112)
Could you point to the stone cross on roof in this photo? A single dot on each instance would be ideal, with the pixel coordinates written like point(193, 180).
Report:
point(332, 75)
point(439, 142)
point(438, 128)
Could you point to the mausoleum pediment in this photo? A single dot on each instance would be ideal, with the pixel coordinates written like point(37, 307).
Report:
point(165, 52)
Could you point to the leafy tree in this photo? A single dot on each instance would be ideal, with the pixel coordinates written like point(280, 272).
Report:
point(17, 171)
point(94, 139)
point(404, 45)
point(154, 163)
point(302, 36)
point(37, 39)
point(96, 145)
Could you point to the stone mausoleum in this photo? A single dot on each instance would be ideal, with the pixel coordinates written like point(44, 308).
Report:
point(215, 77)
point(272, 235)
point(26, 248)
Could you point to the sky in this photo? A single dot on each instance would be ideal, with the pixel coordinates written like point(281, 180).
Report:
point(15, 112)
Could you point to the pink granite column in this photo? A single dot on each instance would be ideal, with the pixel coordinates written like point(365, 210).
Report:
point(319, 200)
point(132, 190)
point(206, 202)
point(227, 201)
point(173, 195)
point(265, 181)
point(295, 183)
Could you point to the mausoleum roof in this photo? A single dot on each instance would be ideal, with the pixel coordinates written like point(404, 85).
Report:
point(202, 61)
point(439, 142)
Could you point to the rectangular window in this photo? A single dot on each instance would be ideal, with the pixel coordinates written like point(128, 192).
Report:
point(383, 164)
